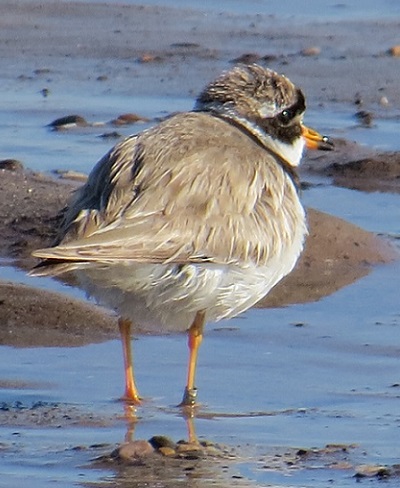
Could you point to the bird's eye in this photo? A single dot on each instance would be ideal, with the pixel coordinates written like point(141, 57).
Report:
point(285, 117)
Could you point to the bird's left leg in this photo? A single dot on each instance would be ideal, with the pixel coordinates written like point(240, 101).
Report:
point(194, 341)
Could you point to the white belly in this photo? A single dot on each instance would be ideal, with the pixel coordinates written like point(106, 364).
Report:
point(162, 298)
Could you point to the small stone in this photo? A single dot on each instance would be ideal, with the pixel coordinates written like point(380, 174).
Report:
point(370, 470)
point(384, 101)
point(71, 175)
point(190, 451)
point(134, 450)
point(247, 58)
point(303, 452)
point(365, 118)
point(213, 451)
point(110, 135)
point(186, 447)
point(311, 51)
point(42, 71)
point(185, 45)
point(68, 121)
point(298, 324)
point(11, 164)
point(341, 466)
point(358, 99)
point(339, 447)
point(159, 441)
point(79, 448)
point(149, 58)
point(269, 57)
point(129, 118)
point(395, 51)
point(167, 451)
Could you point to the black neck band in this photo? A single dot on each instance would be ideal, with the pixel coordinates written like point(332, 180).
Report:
point(287, 167)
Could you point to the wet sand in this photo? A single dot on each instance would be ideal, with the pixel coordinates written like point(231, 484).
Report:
point(50, 47)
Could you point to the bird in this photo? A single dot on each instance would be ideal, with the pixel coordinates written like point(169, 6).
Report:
point(194, 219)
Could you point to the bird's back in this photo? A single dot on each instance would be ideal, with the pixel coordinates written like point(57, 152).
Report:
point(193, 188)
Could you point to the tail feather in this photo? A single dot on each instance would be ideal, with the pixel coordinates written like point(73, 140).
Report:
point(53, 267)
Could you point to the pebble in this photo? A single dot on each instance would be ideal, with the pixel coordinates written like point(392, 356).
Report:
point(167, 451)
point(358, 99)
point(395, 51)
point(110, 135)
point(71, 175)
point(149, 58)
point(11, 164)
point(185, 45)
point(341, 465)
point(247, 58)
point(370, 470)
point(134, 450)
point(365, 118)
point(311, 51)
point(159, 441)
point(129, 118)
point(42, 71)
point(190, 451)
point(67, 122)
point(384, 101)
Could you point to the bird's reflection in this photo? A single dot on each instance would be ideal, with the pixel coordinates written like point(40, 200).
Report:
point(188, 414)
point(131, 419)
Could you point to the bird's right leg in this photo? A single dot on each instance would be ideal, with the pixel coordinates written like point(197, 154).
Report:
point(131, 393)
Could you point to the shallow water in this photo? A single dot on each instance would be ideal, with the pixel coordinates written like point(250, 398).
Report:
point(27, 138)
point(263, 382)
point(270, 380)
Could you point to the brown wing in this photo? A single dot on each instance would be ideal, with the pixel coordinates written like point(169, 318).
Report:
point(193, 189)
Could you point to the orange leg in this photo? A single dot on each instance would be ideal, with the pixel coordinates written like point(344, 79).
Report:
point(131, 392)
point(195, 339)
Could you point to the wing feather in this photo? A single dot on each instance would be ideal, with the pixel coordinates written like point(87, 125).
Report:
point(181, 193)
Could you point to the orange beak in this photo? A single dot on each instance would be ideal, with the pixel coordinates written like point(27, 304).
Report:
point(314, 140)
